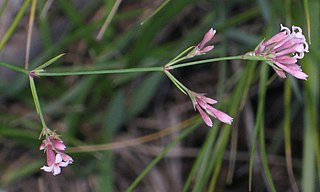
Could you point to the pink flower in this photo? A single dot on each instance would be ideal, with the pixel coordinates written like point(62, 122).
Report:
point(55, 168)
point(54, 147)
point(203, 105)
point(284, 49)
point(66, 158)
point(201, 48)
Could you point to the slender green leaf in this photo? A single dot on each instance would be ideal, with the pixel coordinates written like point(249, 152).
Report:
point(156, 11)
point(14, 24)
point(46, 64)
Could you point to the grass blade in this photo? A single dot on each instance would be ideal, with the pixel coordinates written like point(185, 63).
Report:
point(155, 12)
point(46, 64)
point(287, 134)
point(307, 16)
point(14, 24)
point(29, 34)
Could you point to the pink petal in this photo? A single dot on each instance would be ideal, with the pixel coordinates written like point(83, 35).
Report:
point(223, 117)
point(209, 100)
point(207, 37)
point(202, 103)
point(42, 146)
point(286, 60)
point(63, 164)
point(288, 44)
point(60, 146)
point(204, 116)
point(207, 49)
point(276, 38)
point(58, 159)
point(279, 72)
point(294, 70)
point(299, 48)
point(297, 72)
point(50, 156)
point(66, 158)
point(291, 50)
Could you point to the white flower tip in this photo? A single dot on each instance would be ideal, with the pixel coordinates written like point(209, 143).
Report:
point(302, 76)
point(226, 119)
point(230, 121)
point(210, 124)
point(212, 31)
point(294, 28)
point(47, 169)
point(284, 28)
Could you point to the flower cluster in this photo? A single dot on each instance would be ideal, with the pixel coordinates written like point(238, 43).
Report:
point(53, 147)
point(284, 49)
point(202, 47)
point(203, 105)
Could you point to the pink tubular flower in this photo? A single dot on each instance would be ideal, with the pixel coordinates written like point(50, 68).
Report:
point(203, 105)
point(201, 48)
point(54, 147)
point(284, 49)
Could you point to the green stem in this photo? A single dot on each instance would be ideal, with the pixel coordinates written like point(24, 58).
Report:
point(259, 120)
point(14, 68)
point(110, 71)
point(176, 59)
point(177, 83)
point(287, 133)
point(36, 101)
point(264, 159)
point(241, 57)
point(4, 6)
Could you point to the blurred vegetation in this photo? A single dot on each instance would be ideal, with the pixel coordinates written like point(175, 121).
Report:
point(137, 131)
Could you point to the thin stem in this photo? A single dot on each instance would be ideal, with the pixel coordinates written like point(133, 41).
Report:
point(241, 57)
point(264, 159)
point(155, 12)
point(14, 68)
point(46, 64)
point(176, 59)
point(177, 83)
point(4, 6)
point(36, 101)
point(110, 71)
point(45, 9)
point(259, 121)
point(31, 22)
point(108, 20)
point(287, 133)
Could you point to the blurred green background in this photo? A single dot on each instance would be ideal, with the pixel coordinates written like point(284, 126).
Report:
point(282, 115)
